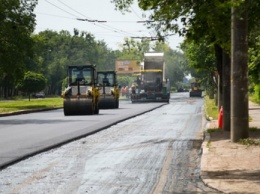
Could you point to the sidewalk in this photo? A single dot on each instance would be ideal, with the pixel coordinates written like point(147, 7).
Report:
point(232, 167)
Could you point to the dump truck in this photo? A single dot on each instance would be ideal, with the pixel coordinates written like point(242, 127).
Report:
point(81, 97)
point(195, 90)
point(109, 91)
point(151, 85)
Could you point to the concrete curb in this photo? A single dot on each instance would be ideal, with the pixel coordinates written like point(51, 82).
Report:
point(205, 148)
point(27, 111)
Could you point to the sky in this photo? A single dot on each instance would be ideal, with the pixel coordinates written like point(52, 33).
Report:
point(60, 15)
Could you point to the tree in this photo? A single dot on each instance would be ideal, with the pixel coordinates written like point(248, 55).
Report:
point(254, 63)
point(17, 22)
point(214, 16)
point(201, 58)
point(239, 72)
point(200, 20)
point(31, 83)
point(55, 51)
point(132, 49)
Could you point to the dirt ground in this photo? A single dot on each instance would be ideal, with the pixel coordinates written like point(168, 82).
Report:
point(231, 167)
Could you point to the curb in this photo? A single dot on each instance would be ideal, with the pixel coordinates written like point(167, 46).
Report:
point(27, 111)
point(205, 149)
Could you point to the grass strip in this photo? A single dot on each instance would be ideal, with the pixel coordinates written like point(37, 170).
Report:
point(250, 142)
point(210, 108)
point(8, 106)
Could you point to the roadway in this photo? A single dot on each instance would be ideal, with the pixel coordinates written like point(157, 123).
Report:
point(156, 152)
point(28, 134)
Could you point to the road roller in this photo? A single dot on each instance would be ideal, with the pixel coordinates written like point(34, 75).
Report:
point(81, 97)
point(109, 91)
point(195, 90)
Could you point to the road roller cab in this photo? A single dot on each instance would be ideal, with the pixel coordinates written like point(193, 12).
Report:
point(109, 91)
point(81, 97)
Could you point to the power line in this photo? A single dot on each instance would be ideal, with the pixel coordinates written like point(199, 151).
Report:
point(135, 12)
point(107, 27)
point(60, 8)
point(107, 21)
point(93, 21)
point(153, 38)
point(73, 9)
point(58, 16)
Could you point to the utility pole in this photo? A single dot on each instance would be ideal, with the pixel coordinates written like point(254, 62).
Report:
point(239, 72)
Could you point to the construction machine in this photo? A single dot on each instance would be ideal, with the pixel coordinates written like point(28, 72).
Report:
point(81, 97)
point(195, 90)
point(151, 85)
point(109, 91)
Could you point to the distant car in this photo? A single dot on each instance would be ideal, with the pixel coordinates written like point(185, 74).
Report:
point(182, 90)
point(39, 95)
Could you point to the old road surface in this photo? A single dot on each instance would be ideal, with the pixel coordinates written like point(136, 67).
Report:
point(156, 152)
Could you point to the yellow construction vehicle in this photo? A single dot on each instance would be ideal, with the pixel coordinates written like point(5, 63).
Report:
point(151, 85)
point(81, 97)
point(195, 90)
point(109, 91)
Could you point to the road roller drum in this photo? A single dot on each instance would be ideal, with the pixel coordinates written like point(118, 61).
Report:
point(78, 106)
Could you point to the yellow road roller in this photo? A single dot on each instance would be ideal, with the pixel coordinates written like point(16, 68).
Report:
point(81, 97)
point(195, 90)
point(109, 91)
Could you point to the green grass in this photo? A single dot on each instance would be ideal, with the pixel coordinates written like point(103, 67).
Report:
point(24, 104)
point(254, 99)
point(254, 129)
point(210, 108)
point(208, 144)
point(212, 130)
point(250, 142)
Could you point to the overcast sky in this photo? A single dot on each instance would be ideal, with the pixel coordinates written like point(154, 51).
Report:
point(65, 14)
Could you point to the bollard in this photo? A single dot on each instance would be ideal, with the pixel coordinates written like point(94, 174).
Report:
point(220, 118)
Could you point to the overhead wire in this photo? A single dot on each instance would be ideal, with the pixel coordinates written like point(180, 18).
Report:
point(99, 23)
point(93, 21)
point(135, 13)
point(142, 21)
point(73, 18)
point(60, 8)
point(58, 16)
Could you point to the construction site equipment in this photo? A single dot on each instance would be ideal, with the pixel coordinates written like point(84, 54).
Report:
point(195, 90)
point(109, 91)
point(81, 97)
point(151, 85)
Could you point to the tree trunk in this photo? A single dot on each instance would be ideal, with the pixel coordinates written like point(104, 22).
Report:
point(239, 73)
point(218, 54)
point(226, 91)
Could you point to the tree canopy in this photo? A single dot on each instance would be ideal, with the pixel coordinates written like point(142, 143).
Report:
point(17, 23)
point(32, 83)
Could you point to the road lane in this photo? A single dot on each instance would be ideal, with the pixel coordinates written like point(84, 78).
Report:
point(157, 152)
point(24, 135)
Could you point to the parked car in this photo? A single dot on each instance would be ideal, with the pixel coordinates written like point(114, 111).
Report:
point(39, 95)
